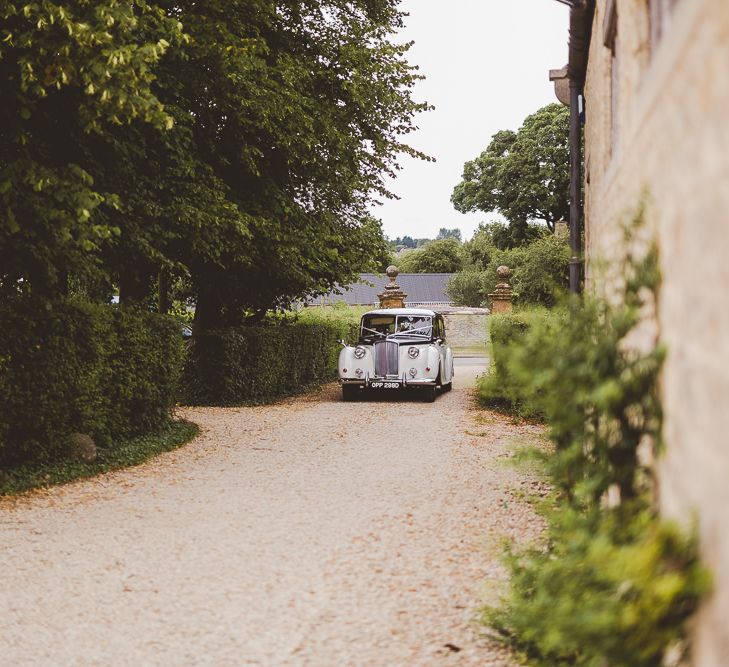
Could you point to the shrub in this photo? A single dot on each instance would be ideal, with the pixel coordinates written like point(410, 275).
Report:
point(542, 271)
point(539, 273)
point(467, 289)
point(612, 589)
point(256, 364)
point(500, 387)
point(440, 256)
point(615, 584)
point(75, 367)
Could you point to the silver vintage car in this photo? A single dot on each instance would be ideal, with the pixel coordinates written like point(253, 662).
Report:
point(398, 348)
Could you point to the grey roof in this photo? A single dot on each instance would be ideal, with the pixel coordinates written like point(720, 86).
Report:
point(421, 288)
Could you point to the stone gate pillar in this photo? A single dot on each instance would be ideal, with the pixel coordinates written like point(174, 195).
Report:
point(393, 296)
point(501, 296)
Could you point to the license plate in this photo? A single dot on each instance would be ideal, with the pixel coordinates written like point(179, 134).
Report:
point(385, 385)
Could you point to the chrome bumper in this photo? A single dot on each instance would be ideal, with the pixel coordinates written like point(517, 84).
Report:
point(402, 381)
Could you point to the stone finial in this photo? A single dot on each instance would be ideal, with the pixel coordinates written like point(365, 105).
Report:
point(501, 296)
point(561, 229)
point(393, 296)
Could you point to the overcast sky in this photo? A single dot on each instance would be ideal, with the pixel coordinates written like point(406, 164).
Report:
point(487, 65)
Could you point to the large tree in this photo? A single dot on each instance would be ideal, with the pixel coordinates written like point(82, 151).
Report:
point(523, 175)
point(244, 158)
point(70, 73)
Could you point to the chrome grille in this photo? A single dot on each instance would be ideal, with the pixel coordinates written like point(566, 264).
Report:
point(386, 358)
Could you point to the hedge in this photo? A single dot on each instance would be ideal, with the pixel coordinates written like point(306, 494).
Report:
point(255, 364)
point(499, 388)
point(74, 367)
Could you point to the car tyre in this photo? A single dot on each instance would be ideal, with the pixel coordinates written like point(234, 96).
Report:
point(443, 386)
point(429, 394)
point(350, 392)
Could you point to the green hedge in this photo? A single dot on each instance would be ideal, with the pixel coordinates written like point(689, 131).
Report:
point(76, 367)
point(256, 364)
point(499, 388)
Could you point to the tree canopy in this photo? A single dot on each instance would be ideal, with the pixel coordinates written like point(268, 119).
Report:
point(523, 175)
point(440, 256)
point(445, 233)
point(237, 144)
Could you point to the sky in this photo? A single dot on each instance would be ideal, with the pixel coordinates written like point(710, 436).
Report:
point(486, 64)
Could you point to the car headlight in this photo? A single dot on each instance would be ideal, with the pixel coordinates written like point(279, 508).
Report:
point(413, 372)
point(359, 352)
point(413, 352)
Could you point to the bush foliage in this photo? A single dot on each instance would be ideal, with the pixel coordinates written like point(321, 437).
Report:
point(539, 269)
point(615, 584)
point(70, 367)
point(255, 364)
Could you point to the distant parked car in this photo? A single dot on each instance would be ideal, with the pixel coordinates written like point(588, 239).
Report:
point(398, 348)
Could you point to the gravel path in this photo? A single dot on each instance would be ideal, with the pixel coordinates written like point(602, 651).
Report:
point(312, 532)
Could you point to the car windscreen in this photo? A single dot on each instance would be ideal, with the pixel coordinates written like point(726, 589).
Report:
point(415, 326)
point(378, 327)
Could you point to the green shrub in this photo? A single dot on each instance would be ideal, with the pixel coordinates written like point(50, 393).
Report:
point(75, 367)
point(468, 288)
point(440, 256)
point(501, 388)
point(539, 274)
point(613, 588)
point(615, 584)
point(256, 364)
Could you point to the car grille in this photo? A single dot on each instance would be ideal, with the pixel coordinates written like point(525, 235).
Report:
point(386, 358)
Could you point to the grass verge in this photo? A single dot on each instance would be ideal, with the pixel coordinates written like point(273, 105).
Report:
point(123, 455)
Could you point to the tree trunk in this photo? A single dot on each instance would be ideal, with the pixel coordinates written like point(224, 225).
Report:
point(135, 287)
point(208, 309)
point(163, 291)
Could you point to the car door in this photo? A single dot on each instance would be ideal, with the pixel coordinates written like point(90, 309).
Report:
point(446, 353)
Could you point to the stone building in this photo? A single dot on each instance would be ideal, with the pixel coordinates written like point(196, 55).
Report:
point(654, 78)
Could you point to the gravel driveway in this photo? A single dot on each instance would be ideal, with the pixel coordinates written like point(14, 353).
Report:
point(311, 532)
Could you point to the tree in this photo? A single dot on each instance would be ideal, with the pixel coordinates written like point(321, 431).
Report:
point(236, 144)
point(523, 175)
point(493, 236)
point(445, 233)
point(539, 272)
point(441, 256)
point(71, 73)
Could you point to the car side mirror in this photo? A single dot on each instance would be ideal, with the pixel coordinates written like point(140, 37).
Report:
point(439, 341)
point(341, 342)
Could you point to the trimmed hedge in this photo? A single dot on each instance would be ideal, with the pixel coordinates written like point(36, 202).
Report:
point(256, 364)
point(498, 388)
point(76, 367)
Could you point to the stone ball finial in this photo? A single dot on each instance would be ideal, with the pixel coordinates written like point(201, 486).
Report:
point(503, 273)
point(392, 271)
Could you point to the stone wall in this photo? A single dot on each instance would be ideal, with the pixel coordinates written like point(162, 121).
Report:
point(672, 152)
point(466, 330)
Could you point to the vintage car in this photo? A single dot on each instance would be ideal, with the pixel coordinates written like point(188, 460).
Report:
point(398, 348)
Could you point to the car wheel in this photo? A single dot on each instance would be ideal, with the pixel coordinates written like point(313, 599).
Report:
point(350, 392)
point(429, 394)
point(444, 387)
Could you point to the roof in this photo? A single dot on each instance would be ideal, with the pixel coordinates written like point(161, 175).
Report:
point(422, 312)
point(421, 288)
